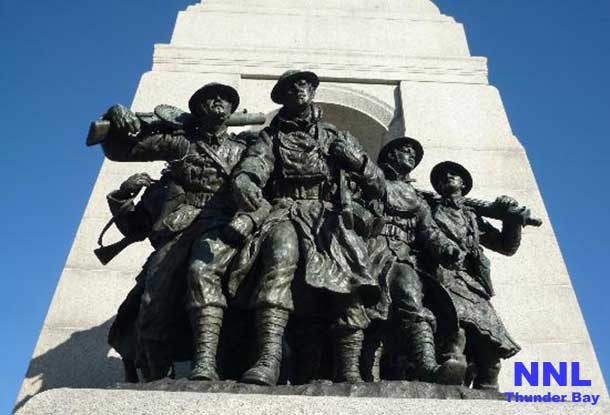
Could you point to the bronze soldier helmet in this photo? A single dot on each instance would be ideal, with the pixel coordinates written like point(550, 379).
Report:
point(210, 89)
point(399, 142)
point(439, 173)
point(282, 84)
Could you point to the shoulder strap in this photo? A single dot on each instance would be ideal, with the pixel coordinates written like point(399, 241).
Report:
point(215, 157)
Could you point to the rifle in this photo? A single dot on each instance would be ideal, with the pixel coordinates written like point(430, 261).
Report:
point(345, 196)
point(167, 116)
point(106, 253)
point(490, 210)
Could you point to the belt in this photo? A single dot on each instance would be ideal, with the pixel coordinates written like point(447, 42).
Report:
point(202, 199)
point(395, 232)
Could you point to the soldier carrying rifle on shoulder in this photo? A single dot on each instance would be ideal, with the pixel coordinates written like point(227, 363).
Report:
point(482, 336)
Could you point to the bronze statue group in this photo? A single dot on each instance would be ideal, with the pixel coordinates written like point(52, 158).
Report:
point(290, 255)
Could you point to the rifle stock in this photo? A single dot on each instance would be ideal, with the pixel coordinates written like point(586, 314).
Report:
point(345, 195)
point(105, 254)
point(99, 129)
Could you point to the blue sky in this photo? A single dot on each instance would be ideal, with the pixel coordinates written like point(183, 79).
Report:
point(63, 63)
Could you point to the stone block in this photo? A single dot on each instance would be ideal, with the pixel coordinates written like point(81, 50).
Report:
point(532, 272)
point(456, 115)
point(71, 358)
point(501, 170)
point(127, 169)
point(545, 308)
point(303, 30)
point(70, 401)
point(330, 65)
point(421, 8)
point(88, 298)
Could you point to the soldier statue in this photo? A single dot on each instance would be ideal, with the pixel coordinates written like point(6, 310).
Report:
point(198, 214)
point(298, 224)
point(408, 232)
point(304, 250)
point(468, 282)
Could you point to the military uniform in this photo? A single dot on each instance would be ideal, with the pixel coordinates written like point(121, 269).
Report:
point(193, 262)
point(469, 282)
point(302, 182)
point(408, 232)
point(304, 244)
point(470, 285)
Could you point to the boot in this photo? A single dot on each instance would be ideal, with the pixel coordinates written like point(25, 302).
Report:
point(423, 357)
point(270, 325)
point(370, 357)
point(131, 372)
point(487, 376)
point(158, 365)
point(309, 349)
point(454, 361)
point(349, 346)
point(206, 323)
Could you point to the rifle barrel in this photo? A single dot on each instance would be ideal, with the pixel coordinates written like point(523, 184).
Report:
point(239, 119)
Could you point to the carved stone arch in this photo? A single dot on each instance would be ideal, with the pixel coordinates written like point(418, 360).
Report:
point(369, 131)
point(357, 100)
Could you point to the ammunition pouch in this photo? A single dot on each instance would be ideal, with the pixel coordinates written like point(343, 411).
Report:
point(305, 191)
point(181, 218)
point(198, 200)
point(393, 231)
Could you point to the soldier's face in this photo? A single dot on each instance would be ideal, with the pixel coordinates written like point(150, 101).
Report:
point(452, 183)
point(404, 158)
point(299, 94)
point(216, 106)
